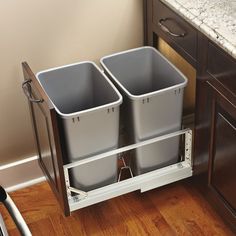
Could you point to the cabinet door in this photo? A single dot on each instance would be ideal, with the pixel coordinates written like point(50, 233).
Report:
point(222, 162)
point(46, 131)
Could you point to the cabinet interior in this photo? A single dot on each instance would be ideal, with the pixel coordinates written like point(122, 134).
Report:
point(190, 72)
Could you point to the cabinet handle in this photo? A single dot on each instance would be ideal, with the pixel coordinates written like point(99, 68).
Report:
point(28, 91)
point(166, 30)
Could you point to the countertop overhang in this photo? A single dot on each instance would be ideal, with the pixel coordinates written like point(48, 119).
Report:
point(214, 18)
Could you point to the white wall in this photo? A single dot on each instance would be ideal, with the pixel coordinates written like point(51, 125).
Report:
point(50, 33)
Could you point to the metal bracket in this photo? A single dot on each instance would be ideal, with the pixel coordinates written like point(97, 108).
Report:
point(124, 167)
point(81, 194)
point(188, 147)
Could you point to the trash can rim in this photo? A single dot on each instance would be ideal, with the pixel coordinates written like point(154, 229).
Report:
point(150, 94)
point(90, 110)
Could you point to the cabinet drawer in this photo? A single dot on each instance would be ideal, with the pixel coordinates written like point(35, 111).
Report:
point(222, 67)
point(175, 28)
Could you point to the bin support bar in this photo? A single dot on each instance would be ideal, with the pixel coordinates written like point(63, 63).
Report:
point(126, 148)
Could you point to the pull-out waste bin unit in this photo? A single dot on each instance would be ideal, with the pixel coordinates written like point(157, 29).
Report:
point(75, 112)
point(88, 105)
point(152, 90)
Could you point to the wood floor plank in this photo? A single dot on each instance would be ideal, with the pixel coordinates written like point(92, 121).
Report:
point(163, 226)
point(42, 227)
point(174, 214)
point(88, 219)
point(112, 223)
point(176, 209)
point(146, 212)
point(14, 232)
point(60, 225)
point(136, 214)
point(187, 216)
point(207, 210)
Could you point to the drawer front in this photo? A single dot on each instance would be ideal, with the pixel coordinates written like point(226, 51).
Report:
point(175, 28)
point(222, 68)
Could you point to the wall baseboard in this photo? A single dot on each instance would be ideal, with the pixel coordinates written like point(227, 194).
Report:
point(21, 174)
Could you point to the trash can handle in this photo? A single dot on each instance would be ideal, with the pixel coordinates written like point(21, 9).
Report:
point(28, 91)
point(167, 30)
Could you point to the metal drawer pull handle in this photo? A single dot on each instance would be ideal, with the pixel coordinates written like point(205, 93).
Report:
point(28, 91)
point(165, 29)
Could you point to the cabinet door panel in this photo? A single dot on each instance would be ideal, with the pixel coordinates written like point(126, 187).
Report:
point(44, 142)
point(223, 177)
point(222, 155)
point(47, 137)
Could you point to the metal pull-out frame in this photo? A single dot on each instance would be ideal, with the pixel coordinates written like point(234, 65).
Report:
point(144, 182)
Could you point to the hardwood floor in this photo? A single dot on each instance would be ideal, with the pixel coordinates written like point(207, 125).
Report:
point(176, 209)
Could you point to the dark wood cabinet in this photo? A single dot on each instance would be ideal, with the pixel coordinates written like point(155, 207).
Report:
point(47, 138)
point(215, 134)
point(215, 113)
point(214, 148)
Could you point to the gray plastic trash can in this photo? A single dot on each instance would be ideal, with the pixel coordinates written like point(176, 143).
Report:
point(152, 90)
point(88, 105)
